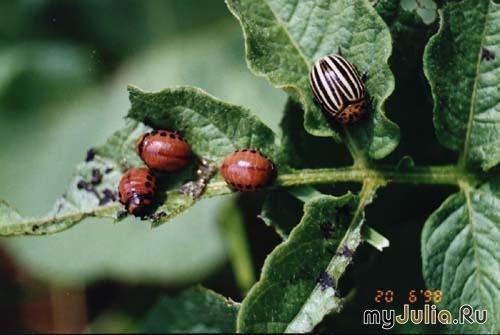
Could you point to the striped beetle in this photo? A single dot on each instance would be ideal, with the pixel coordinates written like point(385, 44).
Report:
point(338, 88)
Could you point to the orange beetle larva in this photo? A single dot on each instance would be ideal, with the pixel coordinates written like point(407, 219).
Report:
point(247, 170)
point(136, 190)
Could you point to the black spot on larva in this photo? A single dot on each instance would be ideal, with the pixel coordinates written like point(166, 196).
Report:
point(239, 185)
point(253, 151)
point(249, 187)
point(148, 184)
point(154, 132)
point(244, 150)
point(326, 281)
point(90, 155)
point(487, 54)
point(172, 136)
point(149, 177)
point(163, 134)
point(108, 170)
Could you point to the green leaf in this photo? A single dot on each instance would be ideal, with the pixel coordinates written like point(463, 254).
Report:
point(212, 127)
point(91, 193)
point(284, 37)
point(462, 64)
point(282, 211)
point(461, 254)
point(304, 150)
point(426, 9)
point(87, 121)
point(297, 287)
point(196, 310)
point(98, 198)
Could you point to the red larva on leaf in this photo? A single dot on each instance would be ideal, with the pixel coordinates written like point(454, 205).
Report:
point(247, 170)
point(136, 190)
point(163, 150)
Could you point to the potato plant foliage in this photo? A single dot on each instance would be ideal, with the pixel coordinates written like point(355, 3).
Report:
point(298, 285)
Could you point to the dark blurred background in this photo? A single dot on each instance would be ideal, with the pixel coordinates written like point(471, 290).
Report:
point(64, 68)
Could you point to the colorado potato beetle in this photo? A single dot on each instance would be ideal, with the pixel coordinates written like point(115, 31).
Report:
point(163, 150)
point(338, 88)
point(247, 170)
point(136, 190)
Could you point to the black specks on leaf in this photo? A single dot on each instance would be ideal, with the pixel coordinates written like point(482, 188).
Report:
point(108, 196)
point(108, 170)
point(326, 281)
point(487, 55)
point(35, 228)
point(343, 215)
point(90, 155)
point(156, 217)
point(82, 184)
point(121, 214)
point(326, 229)
point(96, 177)
point(345, 251)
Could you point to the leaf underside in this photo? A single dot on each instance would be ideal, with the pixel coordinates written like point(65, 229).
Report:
point(460, 254)
point(462, 63)
point(284, 37)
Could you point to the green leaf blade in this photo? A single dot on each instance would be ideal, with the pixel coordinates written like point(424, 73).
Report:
point(283, 38)
point(291, 271)
point(463, 68)
point(212, 127)
point(461, 254)
point(195, 310)
point(290, 295)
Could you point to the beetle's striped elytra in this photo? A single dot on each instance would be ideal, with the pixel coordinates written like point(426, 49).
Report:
point(338, 88)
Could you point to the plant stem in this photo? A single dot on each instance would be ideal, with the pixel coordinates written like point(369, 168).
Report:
point(379, 174)
point(441, 175)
